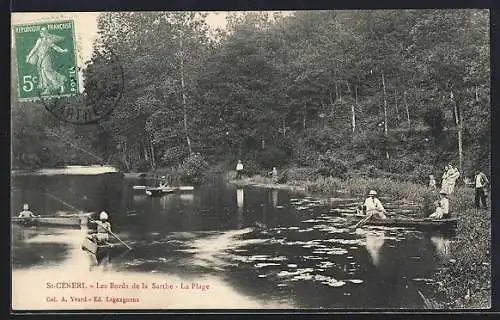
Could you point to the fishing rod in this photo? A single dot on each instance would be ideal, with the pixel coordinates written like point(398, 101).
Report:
point(76, 147)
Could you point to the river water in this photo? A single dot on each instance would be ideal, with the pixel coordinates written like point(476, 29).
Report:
point(218, 246)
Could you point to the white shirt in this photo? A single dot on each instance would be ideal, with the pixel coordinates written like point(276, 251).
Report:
point(444, 204)
point(480, 180)
point(239, 166)
point(373, 204)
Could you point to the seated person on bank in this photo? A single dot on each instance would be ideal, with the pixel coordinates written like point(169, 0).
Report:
point(373, 206)
point(103, 229)
point(442, 207)
point(26, 213)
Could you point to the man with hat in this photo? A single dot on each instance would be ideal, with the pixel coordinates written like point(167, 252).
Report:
point(26, 213)
point(103, 229)
point(373, 206)
point(442, 206)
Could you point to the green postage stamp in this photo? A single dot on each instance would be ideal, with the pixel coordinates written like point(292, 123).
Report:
point(46, 60)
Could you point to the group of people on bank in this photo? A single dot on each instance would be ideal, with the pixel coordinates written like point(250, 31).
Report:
point(373, 206)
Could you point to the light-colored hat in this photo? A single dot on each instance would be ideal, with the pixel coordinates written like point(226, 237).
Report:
point(25, 206)
point(372, 193)
point(163, 177)
point(103, 215)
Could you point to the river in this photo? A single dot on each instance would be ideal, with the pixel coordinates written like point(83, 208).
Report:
point(203, 249)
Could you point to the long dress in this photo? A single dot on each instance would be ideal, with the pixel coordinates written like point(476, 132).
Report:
point(48, 78)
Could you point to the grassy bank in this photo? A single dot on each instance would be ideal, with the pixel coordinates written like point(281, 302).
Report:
point(465, 279)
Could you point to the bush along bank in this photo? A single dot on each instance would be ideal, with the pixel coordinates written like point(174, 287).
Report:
point(464, 281)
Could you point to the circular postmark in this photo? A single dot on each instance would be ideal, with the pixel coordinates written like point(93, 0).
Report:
point(104, 85)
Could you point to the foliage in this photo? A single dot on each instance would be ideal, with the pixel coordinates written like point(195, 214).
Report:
point(332, 166)
point(193, 169)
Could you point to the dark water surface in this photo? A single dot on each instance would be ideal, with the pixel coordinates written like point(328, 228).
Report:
point(302, 255)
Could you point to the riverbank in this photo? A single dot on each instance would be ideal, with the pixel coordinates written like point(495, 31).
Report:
point(464, 281)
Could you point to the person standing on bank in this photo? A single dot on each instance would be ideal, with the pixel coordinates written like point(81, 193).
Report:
point(239, 169)
point(442, 207)
point(373, 206)
point(274, 175)
point(481, 182)
point(452, 178)
point(432, 182)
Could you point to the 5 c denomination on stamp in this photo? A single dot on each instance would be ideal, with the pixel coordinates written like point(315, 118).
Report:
point(46, 60)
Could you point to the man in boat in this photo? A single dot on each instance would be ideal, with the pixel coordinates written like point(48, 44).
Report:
point(442, 207)
point(163, 182)
point(26, 213)
point(103, 229)
point(373, 206)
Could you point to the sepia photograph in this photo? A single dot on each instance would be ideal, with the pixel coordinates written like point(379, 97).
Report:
point(264, 160)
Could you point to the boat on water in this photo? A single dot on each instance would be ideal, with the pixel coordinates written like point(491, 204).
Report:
point(158, 191)
point(72, 221)
point(98, 250)
point(413, 222)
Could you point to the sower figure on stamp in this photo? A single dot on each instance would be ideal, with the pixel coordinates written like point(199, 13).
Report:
point(41, 56)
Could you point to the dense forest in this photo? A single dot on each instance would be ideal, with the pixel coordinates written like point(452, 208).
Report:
point(398, 91)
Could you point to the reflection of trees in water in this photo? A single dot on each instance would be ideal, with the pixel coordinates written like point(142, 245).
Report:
point(442, 246)
point(274, 195)
point(240, 197)
point(374, 243)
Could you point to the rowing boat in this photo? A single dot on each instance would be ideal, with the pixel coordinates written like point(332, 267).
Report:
point(75, 221)
point(98, 250)
point(413, 222)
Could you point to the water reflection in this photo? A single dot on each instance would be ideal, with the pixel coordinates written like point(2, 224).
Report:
point(239, 208)
point(374, 243)
point(442, 246)
point(274, 195)
point(208, 235)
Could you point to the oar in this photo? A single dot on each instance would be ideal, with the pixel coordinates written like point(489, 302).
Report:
point(118, 238)
point(361, 222)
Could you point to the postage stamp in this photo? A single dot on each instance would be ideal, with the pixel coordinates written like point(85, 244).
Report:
point(46, 60)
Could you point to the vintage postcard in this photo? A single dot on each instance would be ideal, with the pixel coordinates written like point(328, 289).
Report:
point(251, 160)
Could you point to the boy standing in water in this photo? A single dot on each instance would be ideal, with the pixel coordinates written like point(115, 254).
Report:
point(103, 229)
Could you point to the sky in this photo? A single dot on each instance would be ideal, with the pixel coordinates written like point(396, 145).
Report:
point(86, 26)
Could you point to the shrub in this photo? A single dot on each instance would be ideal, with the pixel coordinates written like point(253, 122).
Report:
point(372, 171)
point(421, 173)
point(193, 169)
point(272, 156)
point(332, 166)
point(298, 174)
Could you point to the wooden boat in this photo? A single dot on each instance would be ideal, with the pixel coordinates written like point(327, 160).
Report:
point(74, 221)
point(98, 250)
point(413, 222)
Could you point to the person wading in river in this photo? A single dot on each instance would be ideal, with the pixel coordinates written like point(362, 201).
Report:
point(373, 206)
point(26, 213)
point(103, 229)
point(442, 207)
